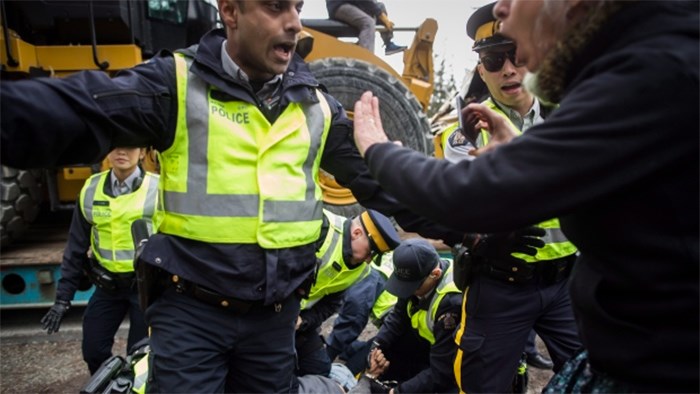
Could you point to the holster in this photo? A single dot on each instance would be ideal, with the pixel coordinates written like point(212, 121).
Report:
point(305, 287)
point(149, 281)
point(106, 280)
point(465, 266)
point(149, 278)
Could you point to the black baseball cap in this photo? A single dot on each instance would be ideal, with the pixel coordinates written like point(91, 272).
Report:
point(414, 260)
point(482, 27)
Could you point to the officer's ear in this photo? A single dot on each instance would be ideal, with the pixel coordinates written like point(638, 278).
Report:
point(435, 273)
point(228, 12)
point(356, 233)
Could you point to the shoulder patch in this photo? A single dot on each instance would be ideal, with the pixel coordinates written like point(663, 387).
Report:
point(457, 139)
point(449, 320)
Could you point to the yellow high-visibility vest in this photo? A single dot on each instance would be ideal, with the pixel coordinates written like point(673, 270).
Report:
point(423, 321)
point(232, 177)
point(111, 219)
point(556, 243)
point(333, 274)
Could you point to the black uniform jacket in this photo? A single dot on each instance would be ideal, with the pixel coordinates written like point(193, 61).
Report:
point(47, 122)
point(617, 162)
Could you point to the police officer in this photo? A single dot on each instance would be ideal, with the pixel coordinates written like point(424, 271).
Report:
point(417, 338)
point(100, 244)
point(348, 244)
point(242, 128)
point(531, 289)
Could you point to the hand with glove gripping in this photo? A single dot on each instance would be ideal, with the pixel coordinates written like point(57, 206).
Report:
point(500, 246)
point(52, 320)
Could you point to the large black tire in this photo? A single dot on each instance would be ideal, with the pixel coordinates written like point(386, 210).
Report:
point(402, 115)
point(20, 194)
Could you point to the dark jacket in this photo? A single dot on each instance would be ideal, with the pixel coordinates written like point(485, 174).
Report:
point(439, 375)
point(617, 162)
point(48, 121)
point(371, 7)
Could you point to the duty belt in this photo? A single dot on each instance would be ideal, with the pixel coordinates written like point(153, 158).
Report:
point(108, 280)
point(211, 297)
point(547, 271)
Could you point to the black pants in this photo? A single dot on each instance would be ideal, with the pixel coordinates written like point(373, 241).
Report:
point(101, 320)
point(499, 317)
point(201, 348)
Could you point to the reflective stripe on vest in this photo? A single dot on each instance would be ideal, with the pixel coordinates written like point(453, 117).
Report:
point(140, 375)
point(230, 169)
point(382, 306)
point(386, 265)
point(111, 218)
point(424, 321)
point(333, 274)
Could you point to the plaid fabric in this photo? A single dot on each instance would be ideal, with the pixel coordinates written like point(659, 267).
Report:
point(577, 376)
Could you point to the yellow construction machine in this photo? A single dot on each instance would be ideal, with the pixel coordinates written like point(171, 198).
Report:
point(348, 70)
point(54, 38)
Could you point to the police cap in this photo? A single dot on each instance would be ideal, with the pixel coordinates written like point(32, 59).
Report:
point(414, 260)
point(381, 232)
point(482, 27)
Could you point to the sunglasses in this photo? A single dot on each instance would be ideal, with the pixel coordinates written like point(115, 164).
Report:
point(494, 61)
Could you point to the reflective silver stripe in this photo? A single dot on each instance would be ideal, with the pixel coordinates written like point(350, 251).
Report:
point(337, 222)
point(197, 202)
point(149, 207)
point(554, 235)
point(124, 254)
point(89, 198)
point(446, 280)
point(119, 255)
point(292, 211)
point(314, 122)
point(307, 304)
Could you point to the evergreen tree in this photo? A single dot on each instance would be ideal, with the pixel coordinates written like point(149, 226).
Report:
point(445, 87)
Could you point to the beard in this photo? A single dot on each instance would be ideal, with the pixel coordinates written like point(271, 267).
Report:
point(531, 81)
point(550, 81)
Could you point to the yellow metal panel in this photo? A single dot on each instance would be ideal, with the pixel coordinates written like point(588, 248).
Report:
point(81, 173)
point(328, 46)
point(69, 181)
point(65, 59)
point(21, 51)
point(76, 58)
point(421, 89)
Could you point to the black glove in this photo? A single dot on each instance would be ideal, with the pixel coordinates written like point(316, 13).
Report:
point(52, 320)
point(500, 246)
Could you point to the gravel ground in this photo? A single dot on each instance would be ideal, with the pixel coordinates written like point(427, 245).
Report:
point(33, 362)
